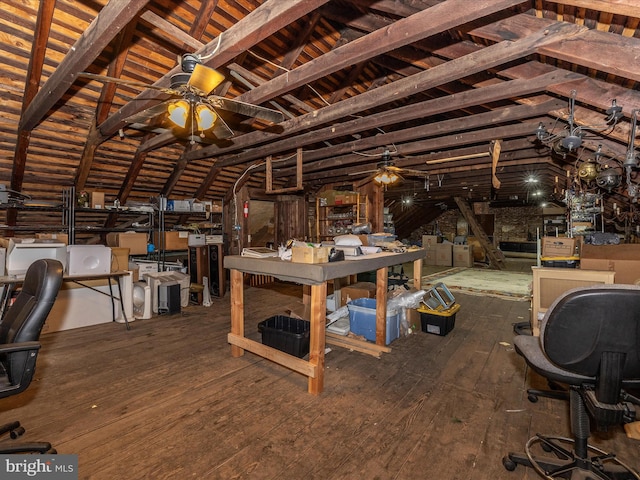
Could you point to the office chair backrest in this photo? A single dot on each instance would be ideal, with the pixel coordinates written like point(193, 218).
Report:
point(595, 331)
point(25, 318)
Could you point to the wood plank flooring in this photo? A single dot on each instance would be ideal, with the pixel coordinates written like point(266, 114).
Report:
point(166, 400)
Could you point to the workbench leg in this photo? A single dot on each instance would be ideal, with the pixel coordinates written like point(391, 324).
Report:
point(382, 278)
point(317, 336)
point(417, 274)
point(306, 295)
point(237, 309)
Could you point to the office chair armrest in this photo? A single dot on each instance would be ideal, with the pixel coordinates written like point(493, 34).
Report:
point(19, 347)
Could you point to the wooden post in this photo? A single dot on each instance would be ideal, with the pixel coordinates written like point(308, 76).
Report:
point(317, 336)
point(382, 277)
point(237, 310)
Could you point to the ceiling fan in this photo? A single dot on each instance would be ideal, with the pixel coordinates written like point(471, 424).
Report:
point(193, 108)
point(386, 173)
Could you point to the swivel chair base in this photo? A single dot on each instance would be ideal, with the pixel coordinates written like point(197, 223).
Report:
point(15, 430)
point(555, 390)
point(565, 464)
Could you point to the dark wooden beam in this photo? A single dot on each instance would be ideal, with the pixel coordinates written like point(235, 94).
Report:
point(111, 19)
point(403, 32)
point(34, 73)
point(477, 61)
point(435, 144)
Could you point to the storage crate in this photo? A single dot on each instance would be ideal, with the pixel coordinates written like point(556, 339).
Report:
point(559, 262)
point(438, 322)
point(362, 320)
point(291, 335)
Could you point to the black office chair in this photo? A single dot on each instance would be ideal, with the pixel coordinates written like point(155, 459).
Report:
point(590, 341)
point(19, 333)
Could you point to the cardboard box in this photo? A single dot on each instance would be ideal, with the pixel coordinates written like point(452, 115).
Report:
point(430, 257)
point(57, 237)
point(310, 254)
point(444, 254)
point(178, 205)
point(623, 259)
point(135, 242)
point(97, 200)
point(196, 239)
point(463, 255)
point(119, 259)
point(430, 240)
point(357, 290)
point(178, 240)
point(350, 198)
point(558, 247)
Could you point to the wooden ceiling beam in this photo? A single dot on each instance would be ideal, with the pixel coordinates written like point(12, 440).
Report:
point(111, 19)
point(34, 74)
point(403, 32)
point(628, 8)
point(430, 108)
point(435, 129)
point(435, 144)
point(494, 55)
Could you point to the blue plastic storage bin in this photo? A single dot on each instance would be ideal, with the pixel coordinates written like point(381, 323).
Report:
point(362, 320)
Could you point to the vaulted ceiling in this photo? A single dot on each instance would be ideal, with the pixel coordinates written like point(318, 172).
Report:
point(439, 84)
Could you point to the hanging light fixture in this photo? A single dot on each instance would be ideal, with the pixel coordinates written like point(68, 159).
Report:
point(179, 112)
point(570, 137)
point(386, 177)
point(205, 117)
point(188, 114)
point(608, 179)
point(588, 170)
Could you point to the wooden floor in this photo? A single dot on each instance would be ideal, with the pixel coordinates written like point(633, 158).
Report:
point(166, 400)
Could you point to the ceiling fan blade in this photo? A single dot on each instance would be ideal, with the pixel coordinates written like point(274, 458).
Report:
point(365, 172)
point(220, 128)
point(246, 109)
point(205, 79)
point(419, 173)
point(147, 114)
point(122, 81)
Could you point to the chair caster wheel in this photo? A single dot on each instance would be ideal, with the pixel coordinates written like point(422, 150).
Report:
point(532, 398)
point(508, 464)
point(16, 432)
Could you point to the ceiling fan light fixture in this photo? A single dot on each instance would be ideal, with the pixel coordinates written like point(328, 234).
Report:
point(386, 178)
point(178, 112)
point(205, 117)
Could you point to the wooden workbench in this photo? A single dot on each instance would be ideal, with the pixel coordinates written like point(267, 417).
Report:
point(315, 275)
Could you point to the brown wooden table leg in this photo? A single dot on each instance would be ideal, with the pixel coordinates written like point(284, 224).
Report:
point(417, 274)
point(237, 309)
point(382, 278)
point(317, 336)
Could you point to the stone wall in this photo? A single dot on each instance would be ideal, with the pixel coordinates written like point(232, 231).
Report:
point(510, 224)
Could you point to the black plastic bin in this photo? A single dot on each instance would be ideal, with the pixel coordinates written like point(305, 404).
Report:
point(291, 335)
